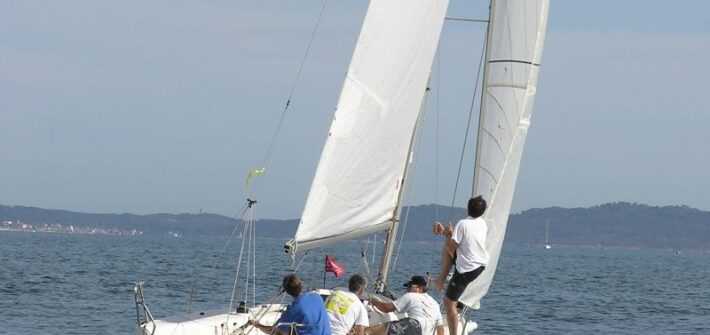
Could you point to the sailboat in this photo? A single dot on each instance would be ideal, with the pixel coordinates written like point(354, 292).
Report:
point(358, 185)
point(547, 235)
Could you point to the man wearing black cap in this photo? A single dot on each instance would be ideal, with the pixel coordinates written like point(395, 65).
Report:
point(424, 316)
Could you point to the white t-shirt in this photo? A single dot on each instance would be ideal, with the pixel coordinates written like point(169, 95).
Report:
point(421, 307)
point(345, 310)
point(471, 253)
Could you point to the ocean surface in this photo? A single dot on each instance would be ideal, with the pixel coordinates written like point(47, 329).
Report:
point(83, 284)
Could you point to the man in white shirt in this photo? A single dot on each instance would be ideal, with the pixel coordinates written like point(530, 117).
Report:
point(466, 245)
point(346, 313)
point(423, 314)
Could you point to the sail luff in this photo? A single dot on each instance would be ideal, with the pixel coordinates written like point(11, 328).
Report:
point(392, 232)
point(362, 165)
point(515, 42)
point(481, 116)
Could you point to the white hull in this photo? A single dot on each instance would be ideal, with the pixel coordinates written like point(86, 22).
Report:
point(219, 323)
point(211, 322)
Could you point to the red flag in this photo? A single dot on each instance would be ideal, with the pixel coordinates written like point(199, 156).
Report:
point(332, 266)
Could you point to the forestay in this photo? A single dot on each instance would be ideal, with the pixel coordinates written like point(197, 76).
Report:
point(515, 40)
point(359, 176)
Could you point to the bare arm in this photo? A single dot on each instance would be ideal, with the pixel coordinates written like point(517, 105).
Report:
point(440, 330)
point(267, 329)
point(358, 330)
point(450, 246)
point(383, 306)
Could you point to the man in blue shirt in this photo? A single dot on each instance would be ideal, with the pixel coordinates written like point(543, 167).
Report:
point(306, 314)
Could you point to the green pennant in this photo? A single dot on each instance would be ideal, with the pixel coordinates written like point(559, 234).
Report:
point(254, 172)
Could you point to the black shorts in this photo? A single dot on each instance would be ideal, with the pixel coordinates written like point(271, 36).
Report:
point(459, 281)
point(406, 326)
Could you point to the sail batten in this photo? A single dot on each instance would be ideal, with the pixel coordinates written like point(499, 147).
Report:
point(513, 61)
point(520, 87)
point(362, 166)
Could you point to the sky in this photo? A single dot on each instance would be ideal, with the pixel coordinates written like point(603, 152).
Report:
point(165, 106)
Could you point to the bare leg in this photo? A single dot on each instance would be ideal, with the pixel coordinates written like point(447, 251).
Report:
point(446, 263)
point(452, 315)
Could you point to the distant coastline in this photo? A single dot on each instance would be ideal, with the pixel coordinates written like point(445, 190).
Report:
point(609, 225)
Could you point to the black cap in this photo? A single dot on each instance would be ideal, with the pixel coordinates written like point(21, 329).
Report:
point(416, 280)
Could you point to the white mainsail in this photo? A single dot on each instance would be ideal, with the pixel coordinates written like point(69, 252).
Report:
point(515, 40)
point(360, 173)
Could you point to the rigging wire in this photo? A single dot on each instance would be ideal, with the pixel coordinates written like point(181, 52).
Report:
point(468, 123)
point(246, 240)
point(468, 127)
point(253, 264)
point(363, 256)
point(371, 240)
point(243, 211)
point(251, 258)
point(374, 247)
point(312, 280)
point(265, 163)
point(437, 113)
point(248, 223)
point(277, 131)
point(298, 266)
point(264, 310)
point(365, 264)
point(193, 279)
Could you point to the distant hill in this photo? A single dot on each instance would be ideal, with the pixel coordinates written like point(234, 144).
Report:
point(613, 224)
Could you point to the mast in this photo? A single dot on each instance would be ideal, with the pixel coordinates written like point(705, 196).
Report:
point(392, 231)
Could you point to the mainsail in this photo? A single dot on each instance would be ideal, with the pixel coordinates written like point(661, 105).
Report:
point(360, 173)
point(516, 33)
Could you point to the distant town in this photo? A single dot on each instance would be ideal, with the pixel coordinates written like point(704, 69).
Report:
point(17, 225)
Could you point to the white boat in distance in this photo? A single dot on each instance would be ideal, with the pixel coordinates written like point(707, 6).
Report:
point(358, 185)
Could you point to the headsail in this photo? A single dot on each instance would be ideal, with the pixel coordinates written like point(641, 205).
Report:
point(359, 176)
point(515, 40)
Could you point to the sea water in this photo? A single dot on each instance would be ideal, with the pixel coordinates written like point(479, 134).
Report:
point(83, 284)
